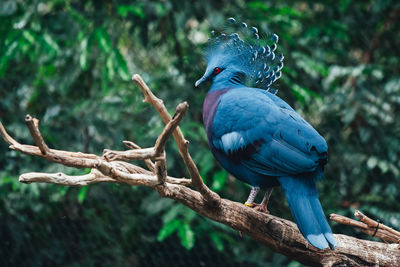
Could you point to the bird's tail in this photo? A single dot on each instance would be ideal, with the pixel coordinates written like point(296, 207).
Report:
point(302, 196)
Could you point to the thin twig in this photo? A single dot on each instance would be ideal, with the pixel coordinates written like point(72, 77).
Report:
point(128, 155)
point(67, 180)
point(33, 125)
point(11, 141)
point(149, 163)
point(379, 233)
point(151, 152)
point(159, 147)
point(96, 176)
point(35, 151)
point(374, 224)
point(170, 127)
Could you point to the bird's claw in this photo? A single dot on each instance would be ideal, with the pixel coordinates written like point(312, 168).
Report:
point(261, 208)
point(257, 207)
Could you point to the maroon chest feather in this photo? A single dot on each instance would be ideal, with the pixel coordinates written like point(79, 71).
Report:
point(209, 108)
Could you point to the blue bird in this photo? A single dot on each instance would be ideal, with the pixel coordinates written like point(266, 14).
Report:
point(258, 137)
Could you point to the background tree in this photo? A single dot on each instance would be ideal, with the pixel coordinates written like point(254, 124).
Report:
point(70, 63)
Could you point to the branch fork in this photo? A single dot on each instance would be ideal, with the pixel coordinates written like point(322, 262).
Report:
point(112, 166)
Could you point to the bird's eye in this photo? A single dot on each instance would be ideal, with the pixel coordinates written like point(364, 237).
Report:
point(217, 70)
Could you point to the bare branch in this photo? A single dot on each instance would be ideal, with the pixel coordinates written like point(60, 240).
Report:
point(374, 224)
point(119, 171)
point(35, 151)
point(134, 146)
point(33, 125)
point(11, 141)
point(159, 147)
point(161, 170)
point(380, 233)
point(170, 127)
point(128, 155)
point(210, 196)
point(152, 152)
point(96, 177)
point(63, 179)
point(158, 152)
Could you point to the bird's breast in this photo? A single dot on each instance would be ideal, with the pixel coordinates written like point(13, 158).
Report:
point(210, 106)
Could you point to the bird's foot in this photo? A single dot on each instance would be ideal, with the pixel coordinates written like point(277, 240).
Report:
point(258, 207)
point(261, 208)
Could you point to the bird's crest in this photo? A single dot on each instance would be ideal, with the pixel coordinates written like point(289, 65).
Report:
point(244, 50)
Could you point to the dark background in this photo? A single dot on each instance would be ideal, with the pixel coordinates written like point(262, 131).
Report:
point(69, 63)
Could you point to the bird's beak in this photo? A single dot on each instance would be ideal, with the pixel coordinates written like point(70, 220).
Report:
point(200, 81)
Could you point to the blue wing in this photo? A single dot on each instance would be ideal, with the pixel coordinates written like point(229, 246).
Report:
point(259, 130)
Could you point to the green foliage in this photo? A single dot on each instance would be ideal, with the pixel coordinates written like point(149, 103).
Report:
point(168, 229)
point(69, 63)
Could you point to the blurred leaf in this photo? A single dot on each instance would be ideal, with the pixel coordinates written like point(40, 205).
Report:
point(82, 194)
point(218, 242)
point(172, 213)
point(84, 55)
point(135, 10)
point(103, 40)
point(8, 7)
point(122, 68)
point(219, 180)
point(29, 36)
point(186, 236)
point(372, 162)
point(168, 229)
point(51, 42)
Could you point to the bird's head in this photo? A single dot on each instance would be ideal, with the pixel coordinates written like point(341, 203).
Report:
point(222, 65)
point(238, 59)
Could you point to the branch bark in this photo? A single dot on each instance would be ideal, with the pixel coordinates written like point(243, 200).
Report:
point(377, 230)
point(279, 234)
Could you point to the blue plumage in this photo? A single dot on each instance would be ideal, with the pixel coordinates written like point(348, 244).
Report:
point(258, 137)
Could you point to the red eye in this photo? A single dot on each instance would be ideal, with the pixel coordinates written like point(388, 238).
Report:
point(217, 70)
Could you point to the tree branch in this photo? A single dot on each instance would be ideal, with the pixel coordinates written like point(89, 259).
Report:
point(33, 125)
point(278, 234)
point(367, 229)
point(376, 225)
point(132, 145)
point(211, 197)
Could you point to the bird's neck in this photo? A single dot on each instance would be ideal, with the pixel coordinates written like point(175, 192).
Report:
point(234, 80)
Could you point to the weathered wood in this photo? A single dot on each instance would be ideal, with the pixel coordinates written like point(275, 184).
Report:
point(379, 232)
point(376, 225)
point(134, 146)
